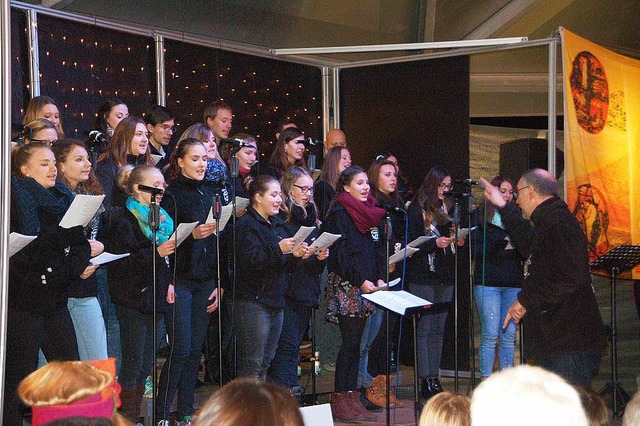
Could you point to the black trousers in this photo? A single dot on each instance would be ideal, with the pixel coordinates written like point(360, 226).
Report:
point(27, 332)
point(348, 360)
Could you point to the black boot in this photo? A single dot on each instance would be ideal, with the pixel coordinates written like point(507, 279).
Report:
point(370, 406)
point(424, 388)
point(435, 386)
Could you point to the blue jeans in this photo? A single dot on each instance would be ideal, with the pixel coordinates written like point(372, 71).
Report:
point(110, 319)
point(284, 366)
point(493, 304)
point(368, 336)
point(577, 368)
point(186, 323)
point(431, 327)
point(136, 332)
point(89, 325)
point(257, 329)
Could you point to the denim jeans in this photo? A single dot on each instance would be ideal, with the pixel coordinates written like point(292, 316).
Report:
point(577, 368)
point(136, 333)
point(368, 336)
point(186, 323)
point(110, 319)
point(431, 328)
point(493, 304)
point(257, 329)
point(284, 366)
point(89, 325)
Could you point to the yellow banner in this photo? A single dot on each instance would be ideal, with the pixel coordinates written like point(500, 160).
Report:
point(602, 131)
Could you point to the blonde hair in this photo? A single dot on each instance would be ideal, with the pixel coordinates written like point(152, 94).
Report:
point(249, 401)
point(130, 175)
point(446, 409)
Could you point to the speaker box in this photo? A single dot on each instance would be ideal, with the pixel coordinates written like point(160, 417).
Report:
point(520, 155)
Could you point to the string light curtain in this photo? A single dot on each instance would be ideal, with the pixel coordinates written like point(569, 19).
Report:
point(19, 66)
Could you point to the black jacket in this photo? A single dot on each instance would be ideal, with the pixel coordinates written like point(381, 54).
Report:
point(107, 172)
point(304, 282)
point(39, 274)
point(262, 270)
point(355, 257)
point(131, 278)
point(323, 194)
point(187, 200)
point(418, 266)
point(562, 312)
point(499, 266)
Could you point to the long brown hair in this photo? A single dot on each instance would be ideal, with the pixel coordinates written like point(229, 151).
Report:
point(181, 151)
point(497, 181)
point(61, 150)
point(120, 145)
point(331, 166)
point(33, 109)
point(427, 196)
point(374, 175)
point(278, 158)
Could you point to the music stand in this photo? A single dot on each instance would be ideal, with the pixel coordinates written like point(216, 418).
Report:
point(620, 259)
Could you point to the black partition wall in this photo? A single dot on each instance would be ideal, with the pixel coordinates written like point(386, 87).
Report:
point(420, 112)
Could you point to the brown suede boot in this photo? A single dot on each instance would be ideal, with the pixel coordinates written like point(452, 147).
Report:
point(357, 407)
point(377, 392)
point(342, 410)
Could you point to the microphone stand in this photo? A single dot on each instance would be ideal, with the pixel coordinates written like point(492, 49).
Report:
point(217, 213)
point(472, 337)
point(154, 224)
point(235, 173)
point(388, 231)
point(456, 224)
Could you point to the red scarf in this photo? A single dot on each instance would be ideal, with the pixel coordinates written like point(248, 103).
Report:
point(364, 214)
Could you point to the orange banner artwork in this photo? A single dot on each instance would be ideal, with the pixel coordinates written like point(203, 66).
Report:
point(602, 145)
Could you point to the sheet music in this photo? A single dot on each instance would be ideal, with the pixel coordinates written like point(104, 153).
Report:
point(397, 257)
point(396, 301)
point(421, 240)
point(462, 233)
point(392, 283)
point(82, 210)
point(106, 257)
point(156, 158)
point(325, 240)
point(225, 215)
point(302, 235)
point(242, 203)
point(183, 231)
point(19, 241)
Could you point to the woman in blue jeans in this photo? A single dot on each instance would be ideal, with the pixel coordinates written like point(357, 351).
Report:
point(264, 261)
point(498, 278)
point(194, 293)
point(303, 290)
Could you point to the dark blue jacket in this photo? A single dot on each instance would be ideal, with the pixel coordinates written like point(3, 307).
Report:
point(262, 270)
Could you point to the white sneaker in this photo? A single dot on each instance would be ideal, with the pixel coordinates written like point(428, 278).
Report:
point(163, 423)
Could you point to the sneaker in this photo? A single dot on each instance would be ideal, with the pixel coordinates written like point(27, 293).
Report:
point(329, 366)
point(148, 388)
point(163, 423)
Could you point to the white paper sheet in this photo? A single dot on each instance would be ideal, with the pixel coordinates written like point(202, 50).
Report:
point(302, 235)
point(156, 158)
point(397, 257)
point(396, 301)
point(462, 233)
point(183, 231)
point(225, 215)
point(82, 210)
point(392, 283)
point(242, 203)
point(19, 241)
point(421, 240)
point(325, 240)
point(106, 257)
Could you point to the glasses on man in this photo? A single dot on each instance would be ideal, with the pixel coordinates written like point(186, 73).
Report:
point(166, 128)
point(305, 189)
point(47, 142)
point(446, 186)
point(517, 191)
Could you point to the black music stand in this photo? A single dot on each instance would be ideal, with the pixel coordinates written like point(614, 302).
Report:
point(620, 259)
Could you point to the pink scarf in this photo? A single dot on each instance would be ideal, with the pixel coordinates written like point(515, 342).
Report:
point(364, 214)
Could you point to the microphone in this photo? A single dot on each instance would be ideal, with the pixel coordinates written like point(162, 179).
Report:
point(97, 136)
point(237, 143)
point(389, 207)
point(456, 194)
point(151, 190)
point(467, 182)
point(312, 142)
point(217, 207)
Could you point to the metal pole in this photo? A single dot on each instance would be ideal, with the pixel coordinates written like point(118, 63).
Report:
point(5, 182)
point(326, 100)
point(34, 55)
point(160, 71)
point(553, 51)
point(336, 97)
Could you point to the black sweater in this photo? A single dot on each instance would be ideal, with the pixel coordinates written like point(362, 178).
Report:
point(262, 269)
point(131, 278)
point(187, 200)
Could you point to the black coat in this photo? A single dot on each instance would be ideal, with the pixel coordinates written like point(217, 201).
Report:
point(262, 269)
point(304, 282)
point(323, 194)
point(187, 200)
point(355, 257)
point(131, 278)
point(562, 312)
point(107, 172)
point(39, 274)
point(418, 267)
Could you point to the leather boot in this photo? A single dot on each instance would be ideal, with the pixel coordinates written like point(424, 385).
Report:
point(377, 392)
point(434, 386)
point(424, 388)
point(342, 410)
point(356, 404)
point(368, 404)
